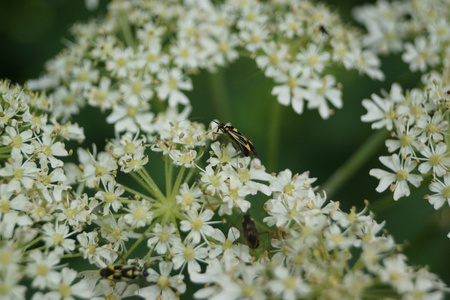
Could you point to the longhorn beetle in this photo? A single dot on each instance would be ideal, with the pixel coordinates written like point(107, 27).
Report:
point(244, 144)
point(123, 272)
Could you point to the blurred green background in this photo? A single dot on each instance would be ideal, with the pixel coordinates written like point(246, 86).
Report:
point(33, 31)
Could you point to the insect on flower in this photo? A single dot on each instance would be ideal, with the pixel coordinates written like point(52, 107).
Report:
point(244, 144)
point(123, 272)
point(250, 232)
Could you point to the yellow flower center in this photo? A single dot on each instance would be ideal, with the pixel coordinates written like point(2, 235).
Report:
point(292, 82)
point(18, 173)
point(100, 171)
point(5, 288)
point(406, 140)
point(312, 60)
point(4, 205)
point(163, 282)
point(131, 112)
point(57, 238)
point(122, 61)
point(110, 197)
point(65, 290)
point(289, 283)
point(402, 175)
point(137, 87)
point(224, 47)
point(197, 224)
point(436, 159)
point(189, 253)
point(446, 192)
point(274, 59)
point(17, 141)
point(42, 270)
point(139, 214)
point(172, 83)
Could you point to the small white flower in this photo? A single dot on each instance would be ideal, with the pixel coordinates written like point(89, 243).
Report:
point(110, 197)
point(96, 170)
point(84, 76)
point(172, 82)
point(42, 269)
point(189, 255)
point(436, 158)
point(66, 289)
point(382, 110)
point(313, 59)
point(275, 61)
point(400, 178)
point(131, 117)
point(57, 237)
point(288, 286)
point(162, 238)
point(120, 62)
point(320, 91)
point(19, 141)
point(292, 91)
point(165, 284)
point(421, 54)
point(253, 37)
point(198, 225)
point(47, 149)
point(215, 183)
point(189, 197)
point(137, 89)
point(139, 213)
point(21, 174)
point(442, 190)
point(397, 273)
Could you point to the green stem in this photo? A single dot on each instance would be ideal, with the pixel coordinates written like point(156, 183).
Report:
point(148, 179)
point(273, 136)
point(142, 183)
point(354, 163)
point(5, 150)
point(126, 31)
point(36, 240)
point(72, 255)
point(190, 174)
point(168, 170)
point(219, 94)
point(446, 136)
point(177, 182)
point(134, 192)
point(134, 246)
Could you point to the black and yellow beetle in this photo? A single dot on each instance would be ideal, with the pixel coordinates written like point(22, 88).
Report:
point(244, 144)
point(123, 272)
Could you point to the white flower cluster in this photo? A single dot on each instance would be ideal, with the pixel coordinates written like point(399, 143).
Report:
point(144, 52)
point(419, 30)
point(34, 190)
point(305, 247)
point(418, 118)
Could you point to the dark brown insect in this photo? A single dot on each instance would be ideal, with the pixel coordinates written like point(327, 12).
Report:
point(250, 232)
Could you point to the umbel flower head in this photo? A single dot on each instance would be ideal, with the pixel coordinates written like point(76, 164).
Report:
point(219, 220)
point(417, 118)
point(307, 247)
